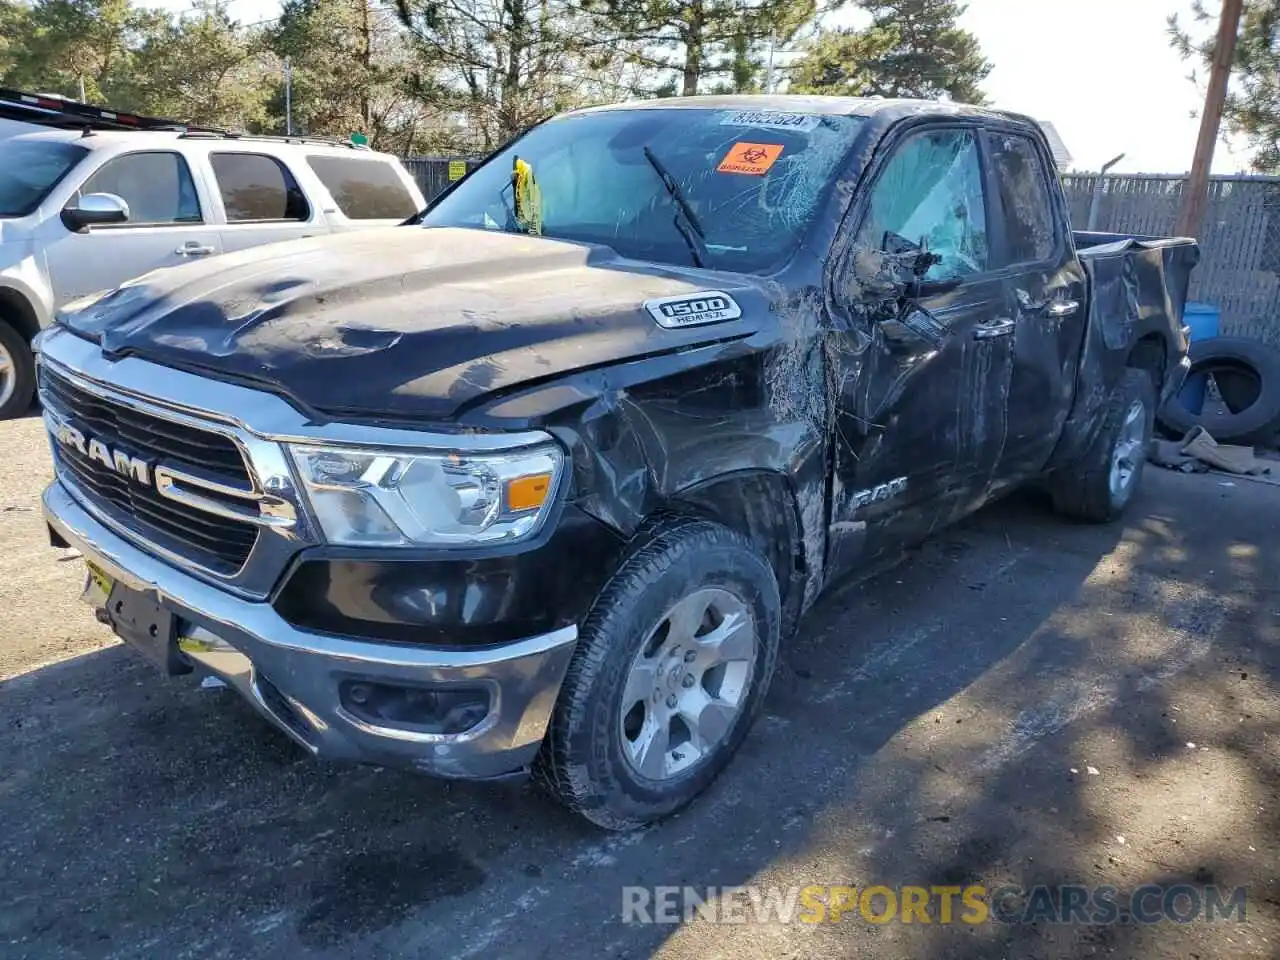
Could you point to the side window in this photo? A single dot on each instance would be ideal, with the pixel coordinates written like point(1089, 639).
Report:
point(364, 189)
point(157, 187)
point(1024, 195)
point(931, 190)
point(256, 187)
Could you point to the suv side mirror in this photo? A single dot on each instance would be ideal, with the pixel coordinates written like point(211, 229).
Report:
point(95, 209)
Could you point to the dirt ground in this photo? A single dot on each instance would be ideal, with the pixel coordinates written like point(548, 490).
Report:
point(1022, 702)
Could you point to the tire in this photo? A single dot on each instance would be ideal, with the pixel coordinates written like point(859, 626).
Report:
point(17, 373)
point(1085, 490)
point(1248, 376)
point(593, 755)
point(1239, 389)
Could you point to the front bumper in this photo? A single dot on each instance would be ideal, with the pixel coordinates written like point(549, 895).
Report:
point(293, 676)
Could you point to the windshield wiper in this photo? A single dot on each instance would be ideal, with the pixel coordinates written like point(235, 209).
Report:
point(686, 220)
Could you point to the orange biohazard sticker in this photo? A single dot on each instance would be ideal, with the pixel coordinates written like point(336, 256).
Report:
point(752, 158)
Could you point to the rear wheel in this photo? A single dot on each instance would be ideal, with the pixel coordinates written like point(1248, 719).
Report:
point(670, 671)
point(17, 373)
point(1098, 487)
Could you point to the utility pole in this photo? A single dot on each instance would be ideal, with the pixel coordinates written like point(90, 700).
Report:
point(1196, 192)
point(1097, 191)
point(768, 82)
point(288, 96)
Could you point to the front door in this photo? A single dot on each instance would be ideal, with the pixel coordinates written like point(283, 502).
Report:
point(1046, 298)
point(920, 419)
point(166, 226)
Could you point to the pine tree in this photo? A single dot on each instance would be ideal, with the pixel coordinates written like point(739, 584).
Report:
point(912, 48)
point(710, 46)
point(1253, 101)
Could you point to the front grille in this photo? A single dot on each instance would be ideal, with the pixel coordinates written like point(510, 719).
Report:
point(217, 543)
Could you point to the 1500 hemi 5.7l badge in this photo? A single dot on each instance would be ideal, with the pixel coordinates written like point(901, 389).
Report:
point(693, 309)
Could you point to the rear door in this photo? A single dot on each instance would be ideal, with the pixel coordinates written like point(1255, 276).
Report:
point(919, 421)
point(1045, 296)
point(168, 224)
point(262, 200)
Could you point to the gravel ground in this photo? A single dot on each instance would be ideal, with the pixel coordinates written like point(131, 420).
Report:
point(1023, 701)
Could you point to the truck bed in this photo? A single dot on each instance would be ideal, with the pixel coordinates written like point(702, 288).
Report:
point(1136, 283)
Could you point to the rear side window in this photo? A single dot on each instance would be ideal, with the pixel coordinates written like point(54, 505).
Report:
point(1024, 195)
point(157, 187)
point(256, 187)
point(364, 189)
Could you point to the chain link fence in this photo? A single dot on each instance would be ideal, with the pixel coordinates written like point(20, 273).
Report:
point(435, 173)
point(1239, 269)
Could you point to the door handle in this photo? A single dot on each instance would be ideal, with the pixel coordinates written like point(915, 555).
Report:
point(194, 249)
point(1055, 308)
point(999, 327)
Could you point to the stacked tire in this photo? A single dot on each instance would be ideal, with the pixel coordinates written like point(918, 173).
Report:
point(1247, 375)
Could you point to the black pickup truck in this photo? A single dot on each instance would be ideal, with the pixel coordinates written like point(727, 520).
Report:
point(541, 480)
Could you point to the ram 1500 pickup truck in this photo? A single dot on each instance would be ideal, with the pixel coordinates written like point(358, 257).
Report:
point(541, 480)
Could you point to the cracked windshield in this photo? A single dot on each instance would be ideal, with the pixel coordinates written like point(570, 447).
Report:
point(729, 189)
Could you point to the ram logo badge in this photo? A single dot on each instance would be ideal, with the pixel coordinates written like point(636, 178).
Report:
point(879, 493)
point(693, 310)
point(134, 468)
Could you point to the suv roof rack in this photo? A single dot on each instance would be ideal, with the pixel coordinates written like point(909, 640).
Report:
point(204, 133)
point(54, 110)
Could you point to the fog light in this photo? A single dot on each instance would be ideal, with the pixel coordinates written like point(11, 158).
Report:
point(439, 710)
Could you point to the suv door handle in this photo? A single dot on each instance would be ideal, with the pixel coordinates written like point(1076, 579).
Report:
point(999, 327)
point(194, 249)
point(1062, 308)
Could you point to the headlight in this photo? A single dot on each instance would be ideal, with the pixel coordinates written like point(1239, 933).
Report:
point(392, 498)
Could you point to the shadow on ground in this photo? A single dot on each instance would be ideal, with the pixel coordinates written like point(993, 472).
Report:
point(924, 728)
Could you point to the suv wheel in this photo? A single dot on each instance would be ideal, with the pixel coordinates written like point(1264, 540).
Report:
point(1099, 486)
point(17, 373)
point(670, 671)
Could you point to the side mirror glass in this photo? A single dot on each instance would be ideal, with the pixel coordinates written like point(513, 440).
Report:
point(94, 210)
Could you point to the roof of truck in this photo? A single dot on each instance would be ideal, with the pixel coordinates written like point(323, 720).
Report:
point(801, 103)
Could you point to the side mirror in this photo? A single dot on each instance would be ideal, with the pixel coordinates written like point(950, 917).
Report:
point(95, 210)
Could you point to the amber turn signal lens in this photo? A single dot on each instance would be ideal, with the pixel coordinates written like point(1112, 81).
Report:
point(528, 493)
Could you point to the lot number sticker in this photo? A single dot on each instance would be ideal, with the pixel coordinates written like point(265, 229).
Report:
point(774, 119)
point(751, 158)
point(457, 169)
point(692, 310)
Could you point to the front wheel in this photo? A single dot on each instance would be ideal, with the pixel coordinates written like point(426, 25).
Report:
point(17, 373)
point(671, 669)
point(1098, 487)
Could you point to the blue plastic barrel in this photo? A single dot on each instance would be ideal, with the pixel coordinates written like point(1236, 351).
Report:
point(1203, 319)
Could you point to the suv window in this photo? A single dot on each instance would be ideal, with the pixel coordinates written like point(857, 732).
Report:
point(256, 187)
point(1024, 195)
point(157, 186)
point(30, 169)
point(931, 190)
point(364, 189)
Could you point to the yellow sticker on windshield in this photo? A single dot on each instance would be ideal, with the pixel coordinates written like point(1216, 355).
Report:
point(752, 158)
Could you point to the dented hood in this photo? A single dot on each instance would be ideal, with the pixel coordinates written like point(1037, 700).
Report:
point(404, 321)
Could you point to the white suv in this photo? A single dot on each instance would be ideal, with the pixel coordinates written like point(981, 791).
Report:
point(85, 210)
